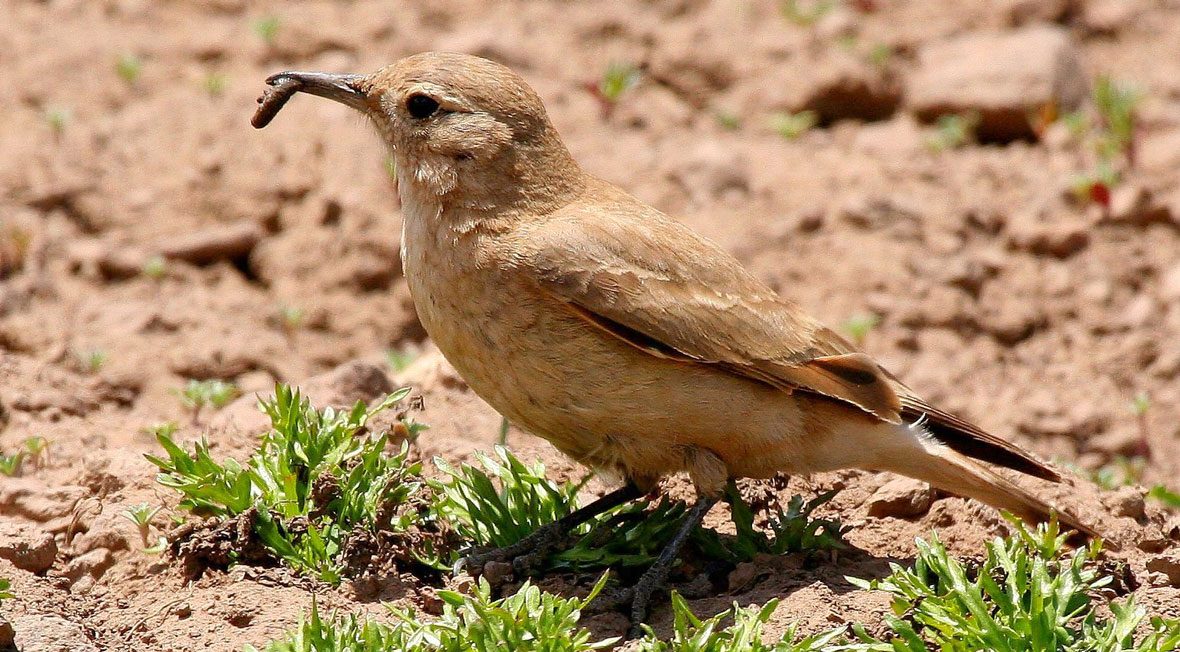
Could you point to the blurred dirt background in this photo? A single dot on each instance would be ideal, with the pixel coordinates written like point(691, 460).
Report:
point(149, 236)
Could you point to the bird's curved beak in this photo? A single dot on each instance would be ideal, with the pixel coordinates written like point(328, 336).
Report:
point(343, 88)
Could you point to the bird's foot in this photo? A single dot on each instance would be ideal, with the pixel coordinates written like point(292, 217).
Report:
point(636, 598)
point(524, 558)
point(527, 557)
point(656, 577)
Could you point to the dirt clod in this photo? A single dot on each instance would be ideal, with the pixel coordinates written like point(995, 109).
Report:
point(27, 547)
point(901, 498)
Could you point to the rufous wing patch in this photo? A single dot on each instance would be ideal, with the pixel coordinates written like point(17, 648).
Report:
point(853, 377)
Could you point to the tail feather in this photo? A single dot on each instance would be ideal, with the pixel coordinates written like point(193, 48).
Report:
point(951, 471)
point(972, 441)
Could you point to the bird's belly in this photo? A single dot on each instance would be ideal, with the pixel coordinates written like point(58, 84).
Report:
point(596, 398)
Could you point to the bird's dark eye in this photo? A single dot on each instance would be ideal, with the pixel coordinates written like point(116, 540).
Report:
point(421, 106)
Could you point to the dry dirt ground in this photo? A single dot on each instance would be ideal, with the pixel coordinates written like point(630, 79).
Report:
point(126, 136)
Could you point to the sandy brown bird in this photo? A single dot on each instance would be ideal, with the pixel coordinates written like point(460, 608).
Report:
point(628, 341)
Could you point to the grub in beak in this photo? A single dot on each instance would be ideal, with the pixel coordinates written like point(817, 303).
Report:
point(338, 87)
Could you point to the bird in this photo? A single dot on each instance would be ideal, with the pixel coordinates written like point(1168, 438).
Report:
point(631, 343)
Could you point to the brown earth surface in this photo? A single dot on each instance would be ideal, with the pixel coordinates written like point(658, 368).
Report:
point(1000, 297)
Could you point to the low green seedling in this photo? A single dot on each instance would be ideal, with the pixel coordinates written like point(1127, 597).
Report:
point(727, 120)
point(37, 450)
point(1165, 496)
point(267, 28)
point(528, 620)
point(953, 131)
point(1030, 593)
point(141, 515)
point(805, 13)
point(317, 477)
point(91, 361)
point(618, 78)
point(616, 81)
point(5, 590)
point(502, 500)
point(155, 268)
point(691, 634)
point(1120, 472)
point(793, 125)
point(859, 326)
point(129, 67)
point(57, 118)
point(399, 360)
point(215, 83)
point(10, 465)
point(790, 531)
point(200, 393)
point(291, 318)
point(1117, 104)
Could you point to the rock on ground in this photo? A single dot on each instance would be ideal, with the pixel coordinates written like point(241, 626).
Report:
point(46, 633)
point(27, 547)
point(902, 498)
point(1007, 78)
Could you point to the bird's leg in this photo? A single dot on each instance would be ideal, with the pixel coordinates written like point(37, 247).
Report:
point(655, 577)
point(526, 554)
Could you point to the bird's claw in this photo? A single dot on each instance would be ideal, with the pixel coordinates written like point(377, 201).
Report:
point(522, 559)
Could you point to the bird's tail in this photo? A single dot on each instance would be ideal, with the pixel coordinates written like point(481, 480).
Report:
point(951, 471)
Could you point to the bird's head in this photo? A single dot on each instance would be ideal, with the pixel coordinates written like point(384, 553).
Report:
point(464, 131)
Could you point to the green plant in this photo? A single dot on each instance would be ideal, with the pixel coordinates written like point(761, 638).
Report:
point(691, 634)
point(37, 449)
point(1165, 496)
point(291, 318)
point(141, 515)
point(91, 361)
point(881, 55)
point(618, 78)
point(161, 429)
point(129, 67)
point(10, 464)
point(267, 28)
point(502, 500)
point(199, 393)
point(860, 325)
point(728, 120)
point(400, 360)
point(316, 478)
point(5, 590)
point(215, 83)
point(1120, 472)
point(792, 125)
point(953, 131)
point(155, 268)
point(790, 531)
point(805, 13)
point(1117, 103)
point(57, 118)
point(530, 619)
point(495, 516)
point(1028, 594)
